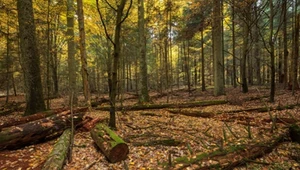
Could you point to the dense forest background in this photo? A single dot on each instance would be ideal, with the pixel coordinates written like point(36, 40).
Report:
point(185, 43)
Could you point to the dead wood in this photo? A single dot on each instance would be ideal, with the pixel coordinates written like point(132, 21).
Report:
point(35, 131)
point(163, 142)
point(40, 115)
point(230, 157)
point(111, 145)
point(166, 105)
point(193, 113)
point(56, 159)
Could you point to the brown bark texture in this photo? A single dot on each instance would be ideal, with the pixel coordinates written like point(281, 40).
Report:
point(35, 131)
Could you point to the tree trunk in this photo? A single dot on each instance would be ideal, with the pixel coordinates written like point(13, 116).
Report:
point(71, 53)
point(32, 132)
point(112, 146)
point(202, 62)
point(143, 94)
point(233, 45)
point(30, 58)
point(272, 52)
point(217, 47)
point(285, 43)
point(56, 159)
point(83, 56)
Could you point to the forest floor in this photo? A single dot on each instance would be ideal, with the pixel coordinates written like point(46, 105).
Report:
point(227, 127)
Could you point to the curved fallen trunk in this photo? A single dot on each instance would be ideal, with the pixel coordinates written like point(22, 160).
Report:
point(32, 132)
point(112, 146)
point(59, 153)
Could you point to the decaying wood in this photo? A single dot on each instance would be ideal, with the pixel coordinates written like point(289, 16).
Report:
point(33, 132)
point(166, 105)
point(164, 142)
point(230, 157)
point(56, 159)
point(89, 123)
point(193, 113)
point(111, 145)
point(263, 109)
point(41, 115)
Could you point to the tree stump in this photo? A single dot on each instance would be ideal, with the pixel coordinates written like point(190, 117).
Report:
point(56, 159)
point(112, 146)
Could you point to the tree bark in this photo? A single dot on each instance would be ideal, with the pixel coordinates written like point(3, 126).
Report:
point(71, 53)
point(30, 58)
point(37, 116)
point(83, 55)
point(56, 159)
point(217, 47)
point(112, 146)
point(143, 95)
point(32, 132)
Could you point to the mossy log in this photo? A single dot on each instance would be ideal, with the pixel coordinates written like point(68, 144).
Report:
point(111, 145)
point(229, 157)
point(57, 158)
point(193, 113)
point(163, 142)
point(35, 131)
point(166, 105)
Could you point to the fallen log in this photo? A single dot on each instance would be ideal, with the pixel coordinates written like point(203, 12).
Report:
point(263, 109)
point(163, 142)
point(166, 105)
point(111, 145)
point(294, 131)
point(229, 157)
point(192, 113)
point(40, 115)
point(56, 159)
point(35, 131)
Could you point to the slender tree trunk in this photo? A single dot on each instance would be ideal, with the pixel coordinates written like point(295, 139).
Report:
point(233, 44)
point(244, 58)
point(71, 52)
point(272, 52)
point(30, 58)
point(219, 88)
point(202, 62)
point(83, 55)
point(48, 57)
point(143, 94)
point(7, 55)
point(285, 43)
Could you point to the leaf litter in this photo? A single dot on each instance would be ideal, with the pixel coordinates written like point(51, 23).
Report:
point(196, 135)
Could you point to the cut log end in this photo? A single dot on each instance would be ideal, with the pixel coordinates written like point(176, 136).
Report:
point(118, 153)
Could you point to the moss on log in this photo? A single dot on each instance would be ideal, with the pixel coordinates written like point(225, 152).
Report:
point(112, 146)
point(193, 113)
point(35, 131)
point(229, 157)
point(167, 105)
point(56, 159)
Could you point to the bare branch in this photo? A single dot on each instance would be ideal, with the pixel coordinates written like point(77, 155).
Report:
point(102, 21)
point(111, 6)
point(127, 12)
